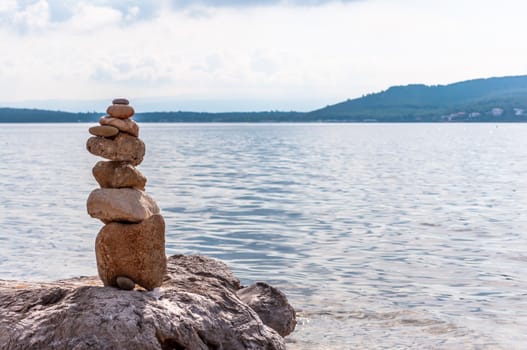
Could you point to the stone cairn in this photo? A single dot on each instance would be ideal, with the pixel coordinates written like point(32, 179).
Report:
point(130, 248)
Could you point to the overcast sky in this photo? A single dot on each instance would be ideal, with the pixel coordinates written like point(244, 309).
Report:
point(247, 55)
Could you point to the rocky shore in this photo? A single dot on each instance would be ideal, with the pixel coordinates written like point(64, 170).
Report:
point(201, 306)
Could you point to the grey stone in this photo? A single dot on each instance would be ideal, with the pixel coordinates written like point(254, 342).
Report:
point(271, 305)
point(124, 283)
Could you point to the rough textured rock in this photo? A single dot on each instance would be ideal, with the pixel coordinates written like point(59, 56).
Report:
point(128, 126)
point(120, 111)
point(103, 130)
point(121, 204)
point(120, 101)
point(271, 305)
point(198, 310)
point(123, 147)
point(114, 174)
point(136, 251)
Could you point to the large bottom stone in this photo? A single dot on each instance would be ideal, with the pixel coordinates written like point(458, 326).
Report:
point(136, 251)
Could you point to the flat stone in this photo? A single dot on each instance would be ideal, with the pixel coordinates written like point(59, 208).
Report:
point(128, 126)
point(121, 205)
point(123, 147)
point(120, 111)
point(114, 174)
point(103, 130)
point(120, 101)
point(133, 250)
point(124, 283)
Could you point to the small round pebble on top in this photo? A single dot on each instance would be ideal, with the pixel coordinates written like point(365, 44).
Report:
point(120, 101)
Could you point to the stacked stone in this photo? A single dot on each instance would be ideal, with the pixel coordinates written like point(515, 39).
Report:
point(130, 248)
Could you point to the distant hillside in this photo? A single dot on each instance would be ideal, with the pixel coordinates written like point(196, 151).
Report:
point(19, 115)
point(228, 117)
point(494, 99)
point(481, 100)
point(23, 115)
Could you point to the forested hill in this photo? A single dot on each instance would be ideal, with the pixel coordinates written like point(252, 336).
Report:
point(19, 115)
point(493, 99)
point(24, 115)
point(481, 100)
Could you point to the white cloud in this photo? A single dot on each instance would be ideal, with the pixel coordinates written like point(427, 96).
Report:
point(253, 3)
point(7, 6)
point(88, 17)
point(132, 13)
point(212, 63)
point(33, 17)
point(64, 10)
point(146, 70)
point(263, 63)
point(318, 55)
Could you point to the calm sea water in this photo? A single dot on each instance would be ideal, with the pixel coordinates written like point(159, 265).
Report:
point(383, 236)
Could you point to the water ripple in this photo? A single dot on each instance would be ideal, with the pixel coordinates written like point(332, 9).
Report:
point(383, 236)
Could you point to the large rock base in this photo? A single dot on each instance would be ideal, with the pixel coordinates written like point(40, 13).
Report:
point(198, 310)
